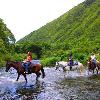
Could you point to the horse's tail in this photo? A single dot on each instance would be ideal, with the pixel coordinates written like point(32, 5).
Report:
point(81, 67)
point(43, 73)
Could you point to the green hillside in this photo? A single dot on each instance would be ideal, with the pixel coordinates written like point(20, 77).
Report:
point(78, 30)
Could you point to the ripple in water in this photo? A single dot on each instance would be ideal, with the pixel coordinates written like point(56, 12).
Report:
point(55, 86)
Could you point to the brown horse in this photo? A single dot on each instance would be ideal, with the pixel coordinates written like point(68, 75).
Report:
point(21, 71)
point(92, 66)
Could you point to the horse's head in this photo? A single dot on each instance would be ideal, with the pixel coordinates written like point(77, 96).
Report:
point(91, 64)
point(89, 61)
point(8, 66)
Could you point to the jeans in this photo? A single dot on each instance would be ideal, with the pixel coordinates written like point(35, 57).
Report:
point(26, 65)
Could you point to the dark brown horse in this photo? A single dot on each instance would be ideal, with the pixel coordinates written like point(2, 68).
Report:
point(92, 66)
point(21, 71)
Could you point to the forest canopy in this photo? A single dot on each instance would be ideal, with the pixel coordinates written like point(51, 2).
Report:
point(7, 42)
point(76, 31)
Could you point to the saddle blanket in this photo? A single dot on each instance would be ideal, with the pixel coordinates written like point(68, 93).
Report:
point(35, 62)
point(73, 64)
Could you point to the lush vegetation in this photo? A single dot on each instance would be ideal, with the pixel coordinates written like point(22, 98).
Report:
point(76, 31)
point(7, 41)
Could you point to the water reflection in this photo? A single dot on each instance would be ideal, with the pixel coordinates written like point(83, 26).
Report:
point(32, 91)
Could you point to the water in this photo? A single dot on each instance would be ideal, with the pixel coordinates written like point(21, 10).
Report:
point(57, 85)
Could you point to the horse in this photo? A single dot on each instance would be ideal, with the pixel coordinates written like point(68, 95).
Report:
point(66, 67)
point(61, 64)
point(21, 70)
point(92, 66)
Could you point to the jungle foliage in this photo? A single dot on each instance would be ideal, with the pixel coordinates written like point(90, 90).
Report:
point(77, 31)
point(7, 42)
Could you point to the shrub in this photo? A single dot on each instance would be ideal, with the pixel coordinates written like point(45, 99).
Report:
point(49, 61)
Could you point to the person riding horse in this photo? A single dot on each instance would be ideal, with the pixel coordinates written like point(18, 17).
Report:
point(93, 64)
point(27, 62)
point(70, 61)
point(38, 70)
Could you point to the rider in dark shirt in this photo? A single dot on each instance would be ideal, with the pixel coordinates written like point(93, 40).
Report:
point(70, 61)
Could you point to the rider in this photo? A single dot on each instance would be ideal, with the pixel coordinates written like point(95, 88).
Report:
point(93, 58)
point(27, 61)
point(70, 60)
point(29, 56)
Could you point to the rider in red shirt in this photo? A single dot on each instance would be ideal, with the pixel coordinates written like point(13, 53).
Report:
point(29, 56)
point(27, 61)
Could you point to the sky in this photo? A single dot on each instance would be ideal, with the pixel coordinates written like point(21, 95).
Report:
point(24, 16)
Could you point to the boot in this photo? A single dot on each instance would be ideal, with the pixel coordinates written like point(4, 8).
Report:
point(29, 71)
point(70, 67)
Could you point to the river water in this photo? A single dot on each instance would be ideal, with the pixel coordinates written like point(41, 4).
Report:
point(57, 85)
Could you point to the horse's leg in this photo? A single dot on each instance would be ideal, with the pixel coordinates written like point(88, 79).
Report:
point(94, 66)
point(43, 73)
point(18, 77)
point(38, 75)
point(77, 68)
point(64, 69)
point(97, 69)
point(57, 67)
point(93, 71)
point(88, 71)
point(70, 67)
point(25, 76)
point(81, 69)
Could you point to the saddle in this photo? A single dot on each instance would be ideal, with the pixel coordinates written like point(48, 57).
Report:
point(34, 62)
point(75, 63)
point(28, 65)
point(72, 63)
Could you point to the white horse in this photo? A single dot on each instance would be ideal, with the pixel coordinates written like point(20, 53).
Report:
point(64, 65)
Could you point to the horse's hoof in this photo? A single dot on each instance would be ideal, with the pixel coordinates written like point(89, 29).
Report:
point(36, 79)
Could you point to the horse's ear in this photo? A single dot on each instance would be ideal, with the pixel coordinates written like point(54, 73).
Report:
point(7, 61)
